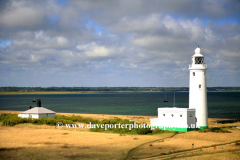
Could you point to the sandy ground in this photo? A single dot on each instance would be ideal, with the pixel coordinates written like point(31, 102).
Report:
point(28, 141)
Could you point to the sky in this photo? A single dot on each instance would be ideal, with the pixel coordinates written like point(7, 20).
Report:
point(117, 43)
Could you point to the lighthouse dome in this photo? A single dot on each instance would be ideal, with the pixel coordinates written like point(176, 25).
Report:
point(198, 52)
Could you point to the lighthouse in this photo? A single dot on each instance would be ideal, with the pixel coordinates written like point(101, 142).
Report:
point(196, 116)
point(198, 89)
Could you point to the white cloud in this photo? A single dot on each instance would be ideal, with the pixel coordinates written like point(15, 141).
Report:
point(94, 50)
point(62, 41)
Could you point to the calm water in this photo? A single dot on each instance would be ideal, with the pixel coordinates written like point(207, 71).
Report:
point(220, 104)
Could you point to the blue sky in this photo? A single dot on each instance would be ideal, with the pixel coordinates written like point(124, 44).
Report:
point(117, 43)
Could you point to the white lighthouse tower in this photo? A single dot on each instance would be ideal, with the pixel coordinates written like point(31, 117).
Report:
point(198, 89)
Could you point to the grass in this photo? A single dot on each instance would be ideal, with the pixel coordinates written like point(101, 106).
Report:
point(90, 145)
point(140, 131)
point(214, 129)
point(8, 119)
point(30, 141)
point(183, 142)
point(13, 119)
point(65, 133)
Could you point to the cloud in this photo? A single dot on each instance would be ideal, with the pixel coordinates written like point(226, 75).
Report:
point(120, 43)
point(93, 50)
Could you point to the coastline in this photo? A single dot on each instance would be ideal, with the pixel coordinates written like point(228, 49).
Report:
point(92, 92)
point(73, 92)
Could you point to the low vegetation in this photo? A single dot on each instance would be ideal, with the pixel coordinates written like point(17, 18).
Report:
point(13, 119)
point(215, 129)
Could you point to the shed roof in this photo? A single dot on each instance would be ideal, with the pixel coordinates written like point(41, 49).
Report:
point(38, 110)
point(175, 109)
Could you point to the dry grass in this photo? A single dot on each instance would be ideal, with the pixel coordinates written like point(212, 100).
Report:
point(28, 141)
point(212, 124)
point(52, 143)
point(11, 112)
point(184, 141)
point(224, 152)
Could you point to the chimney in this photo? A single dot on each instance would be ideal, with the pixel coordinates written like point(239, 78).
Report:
point(30, 107)
point(38, 102)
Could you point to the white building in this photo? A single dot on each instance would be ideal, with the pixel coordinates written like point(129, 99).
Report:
point(37, 112)
point(177, 119)
point(196, 116)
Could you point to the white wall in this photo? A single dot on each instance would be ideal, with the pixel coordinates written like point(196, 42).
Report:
point(172, 118)
point(36, 115)
point(198, 96)
point(154, 122)
point(23, 115)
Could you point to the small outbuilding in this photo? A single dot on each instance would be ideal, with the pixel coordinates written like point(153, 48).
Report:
point(37, 112)
point(176, 119)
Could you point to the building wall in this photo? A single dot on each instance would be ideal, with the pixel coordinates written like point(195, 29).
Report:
point(36, 115)
point(191, 119)
point(47, 115)
point(178, 119)
point(23, 115)
point(51, 115)
point(154, 121)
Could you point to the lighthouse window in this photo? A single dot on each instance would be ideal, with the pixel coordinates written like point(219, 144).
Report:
point(199, 60)
point(193, 73)
point(172, 115)
point(164, 115)
point(180, 115)
point(200, 86)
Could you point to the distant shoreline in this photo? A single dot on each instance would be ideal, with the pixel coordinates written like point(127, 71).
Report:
point(90, 92)
point(75, 92)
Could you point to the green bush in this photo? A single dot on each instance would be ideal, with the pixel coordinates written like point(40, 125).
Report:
point(23, 120)
point(51, 120)
point(67, 122)
point(42, 120)
point(144, 130)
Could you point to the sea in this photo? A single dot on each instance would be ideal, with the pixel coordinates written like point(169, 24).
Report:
point(220, 104)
